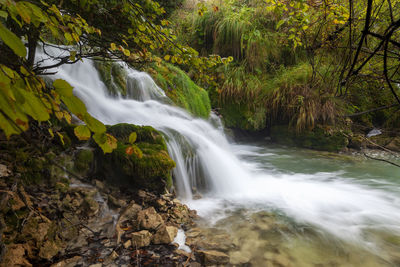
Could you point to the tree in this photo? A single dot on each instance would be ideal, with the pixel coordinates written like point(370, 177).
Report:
point(130, 30)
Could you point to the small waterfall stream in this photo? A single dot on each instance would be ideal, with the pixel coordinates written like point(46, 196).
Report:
point(342, 207)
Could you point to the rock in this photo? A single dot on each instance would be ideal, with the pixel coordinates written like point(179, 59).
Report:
point(165, 235)
point(213, 257)
point(149, 219)
point(91, 206)
point(16, 202)
point(128, 244)
point(68, 262)
point(15, 256)
point(36, 229)
point(96, 265)
point(141, 239)
point(4, 171)
point(49, 250)
point(394, 144)
point(150, 170)
point(83, 161)
point(118, 203)
point(99, 184)
point(130, 212)
point(239, 257)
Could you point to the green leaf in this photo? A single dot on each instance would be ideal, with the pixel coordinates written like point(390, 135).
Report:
point(12, 41)
point(61, 138)
point(75, 105)
point(35, 107)
point(94, 124)
point(106, 142)
point(82, 132)
point(132, 138)
point(63, 88)
point(280, 24)
point(3, 14)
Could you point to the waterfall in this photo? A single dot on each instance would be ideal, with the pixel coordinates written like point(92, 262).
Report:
point(207, 161)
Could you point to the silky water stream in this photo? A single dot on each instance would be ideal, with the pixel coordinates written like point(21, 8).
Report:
point(281, 206)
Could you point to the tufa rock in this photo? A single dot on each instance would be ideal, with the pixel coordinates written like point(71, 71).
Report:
point(141, 239)
point(165, 235)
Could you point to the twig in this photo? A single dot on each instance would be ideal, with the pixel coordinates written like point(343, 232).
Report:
point(384, 160)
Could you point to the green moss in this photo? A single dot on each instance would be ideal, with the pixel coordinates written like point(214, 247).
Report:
point(318, 138)
point(182, 90)
point(243, 117)
point(113, 76)
point(151, 171)
point(83, 160)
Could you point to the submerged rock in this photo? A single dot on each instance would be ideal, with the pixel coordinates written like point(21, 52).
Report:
point(213, 257)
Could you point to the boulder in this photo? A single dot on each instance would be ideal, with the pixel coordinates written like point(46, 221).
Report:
point(149, 219)
point(148, 168)
point(141, 239)
point(213, 257)
point(165, 235)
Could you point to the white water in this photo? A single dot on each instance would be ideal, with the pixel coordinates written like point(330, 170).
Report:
point(205, 160)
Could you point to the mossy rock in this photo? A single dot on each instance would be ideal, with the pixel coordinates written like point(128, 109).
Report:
point(151, 170)
point(318, 138)
point(113, 76)
point(83, 161)
point(243, 117)
point(178, 86)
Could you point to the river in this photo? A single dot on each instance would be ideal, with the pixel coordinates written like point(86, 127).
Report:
point(312, 208)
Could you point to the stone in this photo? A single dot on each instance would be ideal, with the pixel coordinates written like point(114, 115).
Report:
point(149, 219)
point(165, 235)
point(16, 202)
point(92, 207)
point(119, 203)
point(128, 244)
point(239, 257)
point(68, 262)
point(213, 257)
point(130, 212)
point(99, 184)
point(141, 239)
point(15, 256)
point(96, 265)
point(49, 250)
point(4, 171)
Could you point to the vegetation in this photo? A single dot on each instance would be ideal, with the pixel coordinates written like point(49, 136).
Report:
point(299, 63)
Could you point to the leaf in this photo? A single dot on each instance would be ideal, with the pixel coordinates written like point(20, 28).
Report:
point(35, 107)
point(132, 138)
point(105, 141)
point(94, 124)
point(167, 57)
point(3, 14)
point(129, 150)
point(82, 132)
point(280, 24)
point(63, 88)
point(113, 46)
point(61, 138)
point(12, 41)
point(75, 105)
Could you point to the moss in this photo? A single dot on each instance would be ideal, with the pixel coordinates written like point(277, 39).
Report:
point(83, 160)
point(243, 117)
point(182, 90)
point(113, 76)
point(318, 138)
point(151, 171)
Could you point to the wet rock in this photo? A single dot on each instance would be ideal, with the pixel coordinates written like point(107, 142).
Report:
point(238, 257)
point(141, 239)
point(15, 256)
point(96, 265)
point(149, 219)
point(36, 228)
point(213, 257)
point(99, 184)
point(165, 235)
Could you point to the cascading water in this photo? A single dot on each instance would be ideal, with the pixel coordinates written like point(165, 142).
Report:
point(344, 207)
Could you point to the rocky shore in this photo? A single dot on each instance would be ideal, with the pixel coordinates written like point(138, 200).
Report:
point(97, 225)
